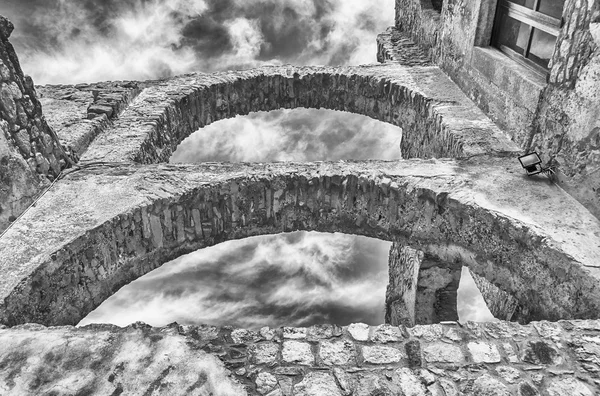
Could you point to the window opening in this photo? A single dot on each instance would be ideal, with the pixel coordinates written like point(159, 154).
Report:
point(526, 30)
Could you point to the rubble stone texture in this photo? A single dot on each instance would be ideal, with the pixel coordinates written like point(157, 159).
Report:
point(30, 153)
point(122, 212)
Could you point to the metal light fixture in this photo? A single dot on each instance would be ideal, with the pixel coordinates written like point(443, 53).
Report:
point(533, 165)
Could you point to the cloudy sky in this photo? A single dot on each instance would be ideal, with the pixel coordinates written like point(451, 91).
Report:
point(246, 282)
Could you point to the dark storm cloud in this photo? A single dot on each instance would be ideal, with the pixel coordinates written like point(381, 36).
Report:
point(293, 279)
point(70, 41)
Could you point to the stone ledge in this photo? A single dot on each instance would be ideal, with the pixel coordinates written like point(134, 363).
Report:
point(519, 82)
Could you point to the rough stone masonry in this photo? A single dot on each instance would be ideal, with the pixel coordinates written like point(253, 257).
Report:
point(121, 211)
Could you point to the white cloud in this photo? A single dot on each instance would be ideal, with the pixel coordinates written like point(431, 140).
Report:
point(270, 280)
point(292, 135)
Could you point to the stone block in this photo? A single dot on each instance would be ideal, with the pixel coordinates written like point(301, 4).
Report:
point(340, 352)
point(297, 352)
point(382, 354)
point(264, 353)
point(484, 352)
point(443, 353)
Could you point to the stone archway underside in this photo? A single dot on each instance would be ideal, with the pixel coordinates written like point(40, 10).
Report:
point(121, 214)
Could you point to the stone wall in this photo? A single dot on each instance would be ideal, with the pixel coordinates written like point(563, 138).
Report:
point(500, 358)
point(567, 124)
point(557, 116)
point(30, 153)
point(105, 225)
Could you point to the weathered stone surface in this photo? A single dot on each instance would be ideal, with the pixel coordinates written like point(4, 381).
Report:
point(482, 352)
point(443, 353)
point(382, 354)
point(555, 115)
point(24, 136)
point(501, 304)
point(265, 382)
point(317, 384)
point(265, 353)
point(489, 386)
point(337, 353)
point(107, 203)
point(400, 297)
point(105, 360)
point(437, 119)
point(568, 386)
point(372, 367)
point(359, 331)
point(297, 352)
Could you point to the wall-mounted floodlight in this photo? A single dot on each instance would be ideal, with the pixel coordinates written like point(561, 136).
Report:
point(533, 165)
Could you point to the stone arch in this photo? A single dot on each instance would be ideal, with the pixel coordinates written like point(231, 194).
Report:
point(437, 119)
point(141, 217)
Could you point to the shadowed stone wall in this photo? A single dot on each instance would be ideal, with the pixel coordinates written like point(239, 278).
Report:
point(30, 154)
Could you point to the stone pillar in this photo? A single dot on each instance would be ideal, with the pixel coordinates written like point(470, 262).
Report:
point(404, 264)
point(437, 291)
point(421, 289)
point(30, 153)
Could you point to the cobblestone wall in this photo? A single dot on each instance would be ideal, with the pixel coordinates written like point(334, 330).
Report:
point(30, 153)
point(499, 359)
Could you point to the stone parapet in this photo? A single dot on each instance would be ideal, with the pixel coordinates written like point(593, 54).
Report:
point(499, 358)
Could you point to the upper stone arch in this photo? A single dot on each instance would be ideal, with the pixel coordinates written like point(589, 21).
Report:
point(118, 222)
point(438, 120)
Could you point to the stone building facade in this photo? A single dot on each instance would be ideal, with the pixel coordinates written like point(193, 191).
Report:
point(457, 198)
point(556, 114)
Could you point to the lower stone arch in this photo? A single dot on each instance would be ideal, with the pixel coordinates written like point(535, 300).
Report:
point(200, 206)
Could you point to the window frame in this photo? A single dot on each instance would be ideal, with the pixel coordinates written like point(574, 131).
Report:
point(531, 17)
